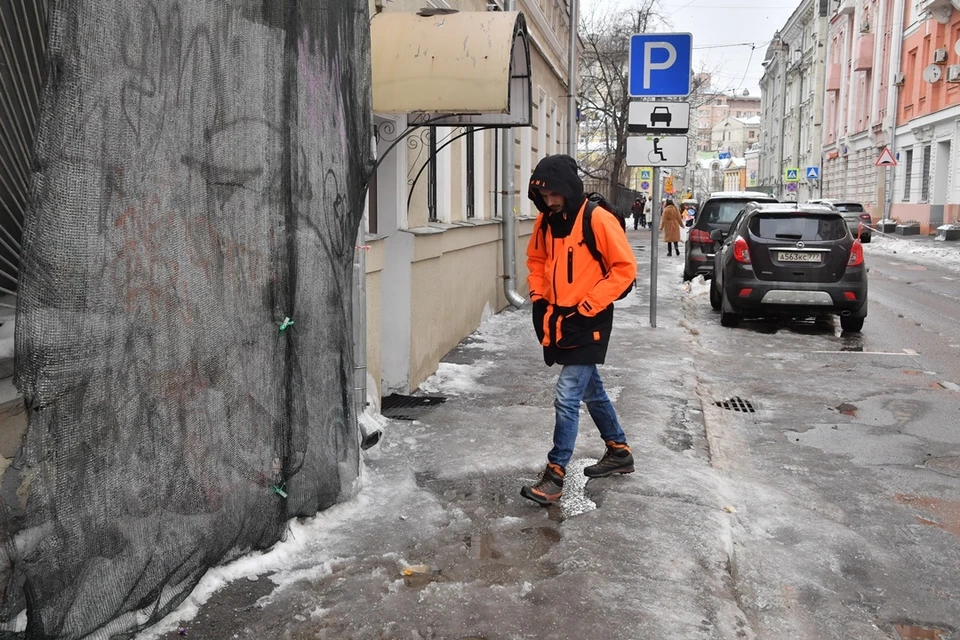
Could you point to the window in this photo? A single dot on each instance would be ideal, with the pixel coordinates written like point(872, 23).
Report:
point(432, 177)
point(471, 187)
point(908, 174)
point(925, 175)
point(785, 227)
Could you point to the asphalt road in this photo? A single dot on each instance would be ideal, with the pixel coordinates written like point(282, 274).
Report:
point(847, 474)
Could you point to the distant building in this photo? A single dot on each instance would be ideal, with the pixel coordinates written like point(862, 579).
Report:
point(734, 135)
point(792, 101)
point(713, 108)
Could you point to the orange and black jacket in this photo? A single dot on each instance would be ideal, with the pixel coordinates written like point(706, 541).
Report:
point(572, 298)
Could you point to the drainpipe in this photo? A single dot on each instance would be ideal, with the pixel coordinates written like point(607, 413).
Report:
point(572, 81)
point(368, 438)
point(893, 96)
point(509, 220)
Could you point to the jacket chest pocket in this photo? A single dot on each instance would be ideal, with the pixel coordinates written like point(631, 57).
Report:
point(569, 265)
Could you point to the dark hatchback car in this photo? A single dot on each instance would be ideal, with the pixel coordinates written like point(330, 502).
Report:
point(717, 212)
point(790, 260)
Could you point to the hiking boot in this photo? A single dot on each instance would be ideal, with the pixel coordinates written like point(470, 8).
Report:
point(549, 489)
point(617, 459)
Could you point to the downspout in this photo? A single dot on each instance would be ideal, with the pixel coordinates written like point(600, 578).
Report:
point(784, 61)
point(509, 220)
point(893, 99)
point(572, 81)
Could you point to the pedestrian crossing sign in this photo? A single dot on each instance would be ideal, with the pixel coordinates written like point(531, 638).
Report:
point(791, 174)
point(813, 173)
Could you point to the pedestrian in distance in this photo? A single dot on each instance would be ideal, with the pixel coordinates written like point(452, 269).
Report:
point(573, 294)
point(671, 222)
point(643, 211)
point(637, 210)
point(647, 213)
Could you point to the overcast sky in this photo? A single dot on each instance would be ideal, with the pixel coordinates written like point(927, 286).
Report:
point(723, 22)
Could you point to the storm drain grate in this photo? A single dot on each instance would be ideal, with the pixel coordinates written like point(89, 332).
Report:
point(737, 403)
point(400, 407)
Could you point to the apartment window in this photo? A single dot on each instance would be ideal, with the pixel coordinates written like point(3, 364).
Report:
point(925, 175)
point(471, 187)
point(908, 174)
point(432, 177)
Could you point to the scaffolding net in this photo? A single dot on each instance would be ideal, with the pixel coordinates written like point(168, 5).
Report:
point(183, 340)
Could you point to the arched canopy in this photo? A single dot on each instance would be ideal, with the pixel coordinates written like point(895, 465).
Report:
point(460, 68)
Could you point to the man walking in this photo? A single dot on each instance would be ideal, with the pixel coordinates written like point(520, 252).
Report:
point(573, 294)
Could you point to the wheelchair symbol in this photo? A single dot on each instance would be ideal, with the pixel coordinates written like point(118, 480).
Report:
point(657, 151)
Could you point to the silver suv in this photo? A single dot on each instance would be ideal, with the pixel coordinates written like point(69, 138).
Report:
point(853, 213)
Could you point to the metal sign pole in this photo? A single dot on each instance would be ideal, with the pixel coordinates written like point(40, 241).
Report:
point(655, 227)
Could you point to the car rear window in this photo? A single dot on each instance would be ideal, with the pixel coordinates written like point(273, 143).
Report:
point(718, 211)
point(803, 227)
point(849, 208)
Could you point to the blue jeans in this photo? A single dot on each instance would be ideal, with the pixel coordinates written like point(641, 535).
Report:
point(581, 382)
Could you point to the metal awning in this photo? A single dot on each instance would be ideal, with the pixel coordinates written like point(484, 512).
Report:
point(453, 68)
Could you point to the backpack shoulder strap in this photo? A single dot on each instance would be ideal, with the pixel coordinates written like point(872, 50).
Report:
point(589, 238)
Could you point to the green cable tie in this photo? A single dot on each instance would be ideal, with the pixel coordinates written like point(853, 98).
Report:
point(286, 324)
point(279, 490)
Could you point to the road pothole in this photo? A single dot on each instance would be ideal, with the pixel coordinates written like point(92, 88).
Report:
point(947, 466)
point(913, 632)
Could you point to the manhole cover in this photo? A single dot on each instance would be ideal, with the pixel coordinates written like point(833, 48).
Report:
point(948, 466)
point(736, 403)
point(400, 407)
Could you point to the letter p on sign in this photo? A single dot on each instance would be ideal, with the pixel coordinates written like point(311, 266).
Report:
point(660, 65)
point(649, 65)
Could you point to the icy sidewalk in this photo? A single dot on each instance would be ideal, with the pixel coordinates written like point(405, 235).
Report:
point(439, 543)
point(921, 249)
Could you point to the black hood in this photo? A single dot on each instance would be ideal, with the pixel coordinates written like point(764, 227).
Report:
point(558, 173)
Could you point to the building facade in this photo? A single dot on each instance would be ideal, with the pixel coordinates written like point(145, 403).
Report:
point(434, 241)
point(734, 136)
point(893, 80)
point(792, 102)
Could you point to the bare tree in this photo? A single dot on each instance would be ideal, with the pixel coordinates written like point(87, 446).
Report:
point(604, 88)
point(604, 93)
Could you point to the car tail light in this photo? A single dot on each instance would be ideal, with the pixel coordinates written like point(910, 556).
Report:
point(866, 217)
point(745, 292)
point(700, 237)
point(741, 252)
point(856, 254)
point(850, 295)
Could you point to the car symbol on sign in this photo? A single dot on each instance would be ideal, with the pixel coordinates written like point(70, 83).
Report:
point(660, 114)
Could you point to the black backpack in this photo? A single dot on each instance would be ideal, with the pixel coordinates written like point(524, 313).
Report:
point(595, 200)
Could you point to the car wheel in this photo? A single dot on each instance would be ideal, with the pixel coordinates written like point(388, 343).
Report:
point(715, 300)
point(865, 239)
point(728, 315)
point(851, 324)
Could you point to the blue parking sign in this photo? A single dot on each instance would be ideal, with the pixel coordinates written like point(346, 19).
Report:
point(660, 64)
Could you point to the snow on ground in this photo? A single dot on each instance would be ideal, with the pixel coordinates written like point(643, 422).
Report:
point(924, 251)
point(312, 537)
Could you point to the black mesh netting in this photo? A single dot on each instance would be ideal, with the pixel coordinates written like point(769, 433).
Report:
point(197, 178)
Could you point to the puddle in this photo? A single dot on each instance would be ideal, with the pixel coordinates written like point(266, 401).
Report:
point(851, 341)
point(912, 632)
point(480, 547)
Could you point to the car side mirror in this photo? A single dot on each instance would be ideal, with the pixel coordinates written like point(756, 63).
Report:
point(717, 235)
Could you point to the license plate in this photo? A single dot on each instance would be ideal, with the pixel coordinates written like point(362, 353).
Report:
point(786, 256)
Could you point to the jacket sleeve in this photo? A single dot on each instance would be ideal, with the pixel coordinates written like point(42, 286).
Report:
point(618, 258)
point(536, 259)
